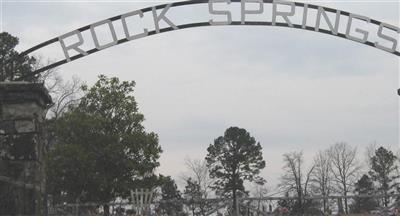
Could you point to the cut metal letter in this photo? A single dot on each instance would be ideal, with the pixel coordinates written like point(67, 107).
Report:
point(126, 30)
point(305, 13)
point(158, 18)
point(74, 46)
point(216, 12)
point(335, 29)
point(386, 37)
point(363, 32)
point(260, 9)
point(112, 30)
point(284, 15)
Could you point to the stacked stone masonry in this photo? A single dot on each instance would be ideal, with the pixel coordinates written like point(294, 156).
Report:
point(23, 108)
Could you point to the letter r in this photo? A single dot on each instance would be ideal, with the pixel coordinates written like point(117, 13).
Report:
point(74, 46)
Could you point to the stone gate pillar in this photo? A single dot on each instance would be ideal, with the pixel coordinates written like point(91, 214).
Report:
point(23, 108)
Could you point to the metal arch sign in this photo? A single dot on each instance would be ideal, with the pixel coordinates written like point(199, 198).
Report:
point(218, 17)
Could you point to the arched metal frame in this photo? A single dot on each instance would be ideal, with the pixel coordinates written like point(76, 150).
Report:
point(202, 24)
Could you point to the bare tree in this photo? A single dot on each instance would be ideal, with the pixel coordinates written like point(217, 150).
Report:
point(260, 191)
point(321, 177)
point(294, 180)
point(344, 168)
point(63, 93)
point(198, 172)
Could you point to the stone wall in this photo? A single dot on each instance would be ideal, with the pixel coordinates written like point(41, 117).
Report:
point(23, 109)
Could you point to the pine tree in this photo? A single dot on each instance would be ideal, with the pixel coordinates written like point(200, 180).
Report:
point(193, 196)
point(171, 202)
point(383, 172)
point(364, 186)
point(232, 159)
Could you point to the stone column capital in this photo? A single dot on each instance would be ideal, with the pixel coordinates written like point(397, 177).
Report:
point(17, 92)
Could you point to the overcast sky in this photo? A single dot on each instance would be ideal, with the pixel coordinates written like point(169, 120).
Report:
point(291, 89)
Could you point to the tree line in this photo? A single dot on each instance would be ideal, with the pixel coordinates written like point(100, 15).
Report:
point(337, 171)
point(102, 151)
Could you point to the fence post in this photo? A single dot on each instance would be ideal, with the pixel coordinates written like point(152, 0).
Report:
point(141, 200)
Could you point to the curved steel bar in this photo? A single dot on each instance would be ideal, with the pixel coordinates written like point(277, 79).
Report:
point(199, 24)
